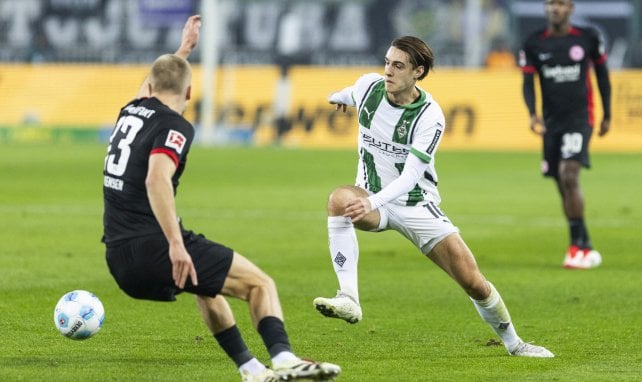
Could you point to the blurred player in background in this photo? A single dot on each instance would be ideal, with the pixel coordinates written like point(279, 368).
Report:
point(561, 55)
point(400, 127)
point(150, 254)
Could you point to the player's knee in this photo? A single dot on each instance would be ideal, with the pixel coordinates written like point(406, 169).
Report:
point(476, 287)
point(569, 180)
point(262, 281)
point(339, 198)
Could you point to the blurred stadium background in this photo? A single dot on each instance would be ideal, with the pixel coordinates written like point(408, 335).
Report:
point(264, 68)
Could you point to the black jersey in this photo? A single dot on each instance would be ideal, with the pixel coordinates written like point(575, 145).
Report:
point(563, 66)
point(145, 126)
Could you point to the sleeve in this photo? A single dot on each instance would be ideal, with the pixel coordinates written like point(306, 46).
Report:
point(428, 135)
point(343, 97)
point(174, 138)
point(528, 92)
point(413, 170)
point(363, 85)
point(526, 60)
point(598, 56)
point(527, 64)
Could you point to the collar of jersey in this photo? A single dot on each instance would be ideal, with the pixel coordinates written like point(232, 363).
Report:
point(418, 103)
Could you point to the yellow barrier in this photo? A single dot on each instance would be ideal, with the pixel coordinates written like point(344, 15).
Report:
point(484, 109)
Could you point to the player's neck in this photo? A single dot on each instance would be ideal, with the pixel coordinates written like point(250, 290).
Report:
point(558, 30)
point(405, 97)
point(174, 102)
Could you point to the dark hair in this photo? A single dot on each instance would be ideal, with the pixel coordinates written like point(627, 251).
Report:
point(419, 52)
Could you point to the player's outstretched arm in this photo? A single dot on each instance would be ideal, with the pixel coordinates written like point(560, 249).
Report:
point(191, 33)
point(342, 99)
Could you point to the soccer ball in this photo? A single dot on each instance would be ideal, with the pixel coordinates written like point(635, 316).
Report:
point(79, 315)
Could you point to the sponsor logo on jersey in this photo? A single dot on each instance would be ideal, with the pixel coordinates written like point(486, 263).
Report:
point(559, 73)
point(383, 147)
point(176, 141)
point(576, 53)
point(544, 56)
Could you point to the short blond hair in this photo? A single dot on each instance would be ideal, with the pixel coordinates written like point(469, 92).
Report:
point(171, 74)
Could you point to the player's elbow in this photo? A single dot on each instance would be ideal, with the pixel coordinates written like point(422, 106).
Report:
point(154, 181)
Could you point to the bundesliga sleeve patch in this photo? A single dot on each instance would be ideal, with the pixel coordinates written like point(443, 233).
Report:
point(176, 141)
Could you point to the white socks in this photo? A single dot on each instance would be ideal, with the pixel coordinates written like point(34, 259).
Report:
point(253, 366)
point(284, 357)
point(344, 252)
point(494, 312)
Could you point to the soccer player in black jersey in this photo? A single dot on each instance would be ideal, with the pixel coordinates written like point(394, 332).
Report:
point(149, 253)
point(562, 55)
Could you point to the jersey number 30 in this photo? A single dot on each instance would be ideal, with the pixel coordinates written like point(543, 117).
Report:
point(126, 129)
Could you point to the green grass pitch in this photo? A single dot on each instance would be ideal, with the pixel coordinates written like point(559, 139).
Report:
point(269, 204)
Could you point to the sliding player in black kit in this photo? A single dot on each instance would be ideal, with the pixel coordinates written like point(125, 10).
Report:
point(562, 55)
point(149, 253)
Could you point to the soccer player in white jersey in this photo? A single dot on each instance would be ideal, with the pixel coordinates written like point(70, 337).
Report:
point(400, 127)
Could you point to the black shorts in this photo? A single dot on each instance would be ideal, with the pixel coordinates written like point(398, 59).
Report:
point(567, 144)
point(142, 268)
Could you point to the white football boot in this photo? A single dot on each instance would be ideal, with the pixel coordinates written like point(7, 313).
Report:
point(267, 375)
point(342, 306)
point(305, 369)
point(525, 349)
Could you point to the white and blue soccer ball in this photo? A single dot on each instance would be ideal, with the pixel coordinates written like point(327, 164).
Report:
point(79, 315)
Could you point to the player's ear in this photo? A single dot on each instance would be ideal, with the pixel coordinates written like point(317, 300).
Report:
point(419, 71)
point(188, 94)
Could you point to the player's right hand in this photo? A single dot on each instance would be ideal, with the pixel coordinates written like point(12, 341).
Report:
point(357, 209)
point(182, 266)
point(333, 99)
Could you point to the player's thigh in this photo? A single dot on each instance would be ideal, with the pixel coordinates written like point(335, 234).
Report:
point(424, 225)
point(455, 258)
point(212, 262)
point(243, 277)
point(142, 269)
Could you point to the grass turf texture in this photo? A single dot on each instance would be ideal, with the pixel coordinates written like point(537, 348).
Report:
point(269, 205)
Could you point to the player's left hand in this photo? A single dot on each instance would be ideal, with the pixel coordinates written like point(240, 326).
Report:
point(605, 126)
point(357, 209)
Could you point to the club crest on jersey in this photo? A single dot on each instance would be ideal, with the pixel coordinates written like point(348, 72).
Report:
point(402, 129)
point(176, 141)
point(576, 53)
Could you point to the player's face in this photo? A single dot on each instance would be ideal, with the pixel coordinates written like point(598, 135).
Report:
point(399, 72)
point(558, 12)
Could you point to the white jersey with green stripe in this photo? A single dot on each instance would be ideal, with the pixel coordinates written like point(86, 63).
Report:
point(388, 133)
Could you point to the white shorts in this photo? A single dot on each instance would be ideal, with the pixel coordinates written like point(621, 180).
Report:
point(425, 225)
